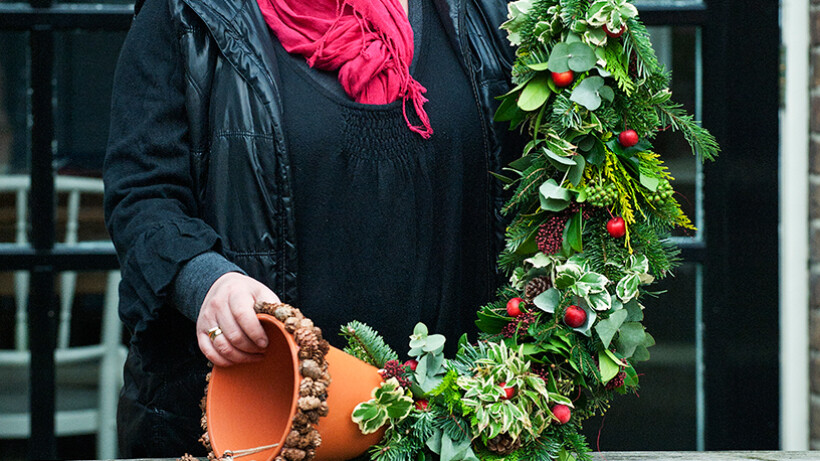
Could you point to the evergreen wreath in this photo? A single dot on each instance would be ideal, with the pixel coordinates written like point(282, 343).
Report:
point(591, 208)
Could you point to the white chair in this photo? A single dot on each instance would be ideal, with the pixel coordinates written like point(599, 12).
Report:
point(88, 378)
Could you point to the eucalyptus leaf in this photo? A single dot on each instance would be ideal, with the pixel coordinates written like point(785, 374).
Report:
point(420, 329)
point(634, 310)
point(606, 93)
point(434, 342)
point(553, 197)
point(576, 171)
point(421, 370)
point(548, 301)
point(586, 93)
point(641, 354)
point(535, 94)
point(630, 336)
point(559, 58)
point(607, 327)
point(538, 66)
point(603, 72)
point(582, 57)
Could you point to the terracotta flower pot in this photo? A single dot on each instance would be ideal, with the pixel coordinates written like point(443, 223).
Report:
point(253, 405)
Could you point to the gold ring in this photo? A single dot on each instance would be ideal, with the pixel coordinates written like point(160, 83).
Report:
point(214, 332)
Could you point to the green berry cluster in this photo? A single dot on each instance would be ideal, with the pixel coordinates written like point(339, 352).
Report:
point(601, 195)
point(662, 194)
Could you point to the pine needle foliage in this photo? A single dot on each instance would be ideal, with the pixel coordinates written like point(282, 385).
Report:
point(366, 344)
point(703, 143)
point(637, 44)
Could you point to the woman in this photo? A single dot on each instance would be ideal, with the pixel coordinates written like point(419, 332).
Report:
point(237, 173)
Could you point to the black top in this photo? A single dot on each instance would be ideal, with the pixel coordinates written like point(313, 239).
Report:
point(391, 228)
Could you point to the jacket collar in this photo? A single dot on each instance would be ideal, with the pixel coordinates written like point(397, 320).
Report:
point(242, 36)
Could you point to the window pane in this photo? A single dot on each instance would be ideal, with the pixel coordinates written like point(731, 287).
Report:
point(678, 50)
point(664, 417)
point(682, 4)
point(84, 73)
point(15, 150)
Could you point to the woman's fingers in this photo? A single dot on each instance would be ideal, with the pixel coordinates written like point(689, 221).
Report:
point(229, 305)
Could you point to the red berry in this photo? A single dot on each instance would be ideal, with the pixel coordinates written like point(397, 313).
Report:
point(628, 138)
point(514, 307)
point(412, 363)
point(508, 391)
point(421, 405)
point(562, 79)
point(562, 412)
point(616, 227)
point(574, 316)
point(615, 34)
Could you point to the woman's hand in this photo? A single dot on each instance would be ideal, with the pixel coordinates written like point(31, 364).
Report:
point(229, 306)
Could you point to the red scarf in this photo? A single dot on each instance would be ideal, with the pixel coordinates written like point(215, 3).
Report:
point(370, 43)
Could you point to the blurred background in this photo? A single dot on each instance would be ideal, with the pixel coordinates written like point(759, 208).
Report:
point(715, 378)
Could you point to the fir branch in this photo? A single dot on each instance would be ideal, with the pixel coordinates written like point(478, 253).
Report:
point(636, 42)
point(571, 11)
point(618, 67)
point(519, 231)
point(702, 142)
point(366, 344)
point(531, 179)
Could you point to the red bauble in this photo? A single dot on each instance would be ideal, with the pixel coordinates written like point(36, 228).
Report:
point(628, 138)
point(562, 412)
point(514, 307)
point(562, 79)
point(620, 32)
point(421, 405)
point(508, 391)
point(574, 316)
point(616, 227)
point(412, 363)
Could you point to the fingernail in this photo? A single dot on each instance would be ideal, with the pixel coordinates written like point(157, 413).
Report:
point(262, 342)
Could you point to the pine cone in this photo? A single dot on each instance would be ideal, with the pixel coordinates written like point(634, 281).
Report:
point(291, 324)
point(306, 339)
point(503, 444)
point(309, 403)
point(537, 286)
point(310, 369)
point(293, 454)
point(283, 312)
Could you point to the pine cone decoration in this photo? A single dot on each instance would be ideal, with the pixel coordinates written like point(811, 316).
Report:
point(503, 444)
point(537, 286)
point(306, 339)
